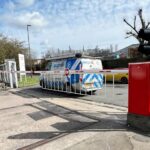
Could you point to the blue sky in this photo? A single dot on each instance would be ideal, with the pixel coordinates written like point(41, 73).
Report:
point(60, 23)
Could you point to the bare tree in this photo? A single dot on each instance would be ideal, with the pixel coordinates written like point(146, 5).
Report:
point(134, 32)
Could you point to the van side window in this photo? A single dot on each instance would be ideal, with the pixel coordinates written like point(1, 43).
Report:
point(58, 65)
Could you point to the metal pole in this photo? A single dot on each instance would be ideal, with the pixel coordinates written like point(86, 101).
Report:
point(29, 46)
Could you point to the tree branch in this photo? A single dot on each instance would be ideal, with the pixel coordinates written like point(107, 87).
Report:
point(132, 34)
point(147, 25)
point(128, 36)
point(130, 25)
point(135, 22)
point(141, 18)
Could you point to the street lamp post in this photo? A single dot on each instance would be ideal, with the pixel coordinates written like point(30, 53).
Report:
point(29, 53)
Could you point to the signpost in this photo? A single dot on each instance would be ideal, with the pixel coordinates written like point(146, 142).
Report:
point(21, 65)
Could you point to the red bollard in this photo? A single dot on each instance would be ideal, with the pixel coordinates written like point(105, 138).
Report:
point(139, 96)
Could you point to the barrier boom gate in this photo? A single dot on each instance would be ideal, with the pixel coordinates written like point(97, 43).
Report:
point(56, 76)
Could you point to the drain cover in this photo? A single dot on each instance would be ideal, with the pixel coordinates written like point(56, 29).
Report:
point(119, 94)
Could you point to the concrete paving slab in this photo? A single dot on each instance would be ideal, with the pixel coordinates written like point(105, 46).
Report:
point(64, 123)
point(105, 142)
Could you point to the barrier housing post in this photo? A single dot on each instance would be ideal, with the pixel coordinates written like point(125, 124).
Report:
point(139, 96)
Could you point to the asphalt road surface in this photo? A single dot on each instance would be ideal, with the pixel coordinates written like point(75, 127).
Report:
point(109, 95)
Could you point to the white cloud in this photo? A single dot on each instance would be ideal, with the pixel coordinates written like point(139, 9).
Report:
point(12, 5)
point(75, 22)
point(35, 19)
point(24, 3)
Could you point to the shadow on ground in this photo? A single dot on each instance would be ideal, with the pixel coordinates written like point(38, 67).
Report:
point(105, 125)
point(119, 99)
point(75, 121)
point(38, 92)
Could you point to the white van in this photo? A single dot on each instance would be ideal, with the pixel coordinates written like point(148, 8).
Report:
point(87, 82)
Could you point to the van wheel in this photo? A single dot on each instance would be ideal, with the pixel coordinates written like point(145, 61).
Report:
point(124, 80)
point(103, 79)
point(42, 84)
point(91, 92)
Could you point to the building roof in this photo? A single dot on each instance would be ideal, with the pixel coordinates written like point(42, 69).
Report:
point(125, 50)
point(71, 56)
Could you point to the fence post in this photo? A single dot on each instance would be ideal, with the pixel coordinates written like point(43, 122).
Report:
point(139, 96)
point(12, 74)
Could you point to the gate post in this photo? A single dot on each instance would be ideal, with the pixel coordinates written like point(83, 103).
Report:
point(139, 96)
point(11, 73)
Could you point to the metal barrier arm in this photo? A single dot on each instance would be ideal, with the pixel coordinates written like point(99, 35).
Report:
point(97, 71)
point(67, 80)
point(70, 71)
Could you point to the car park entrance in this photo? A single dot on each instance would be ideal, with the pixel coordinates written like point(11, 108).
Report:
point(65, 115)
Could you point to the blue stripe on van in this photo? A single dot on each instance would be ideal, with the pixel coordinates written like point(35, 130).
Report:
point(98, 83)
point(74, 78)
point(85, 77)
point(95, 85)
point(101, 76)
point(98, 78)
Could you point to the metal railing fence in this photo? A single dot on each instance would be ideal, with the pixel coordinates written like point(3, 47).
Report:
point(82, 82)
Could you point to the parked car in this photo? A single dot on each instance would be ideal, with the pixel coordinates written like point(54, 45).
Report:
point(118, 77)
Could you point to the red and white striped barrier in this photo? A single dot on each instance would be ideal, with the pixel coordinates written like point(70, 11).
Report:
point(67, 72)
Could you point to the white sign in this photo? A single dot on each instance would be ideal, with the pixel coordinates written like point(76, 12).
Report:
point(21, 63)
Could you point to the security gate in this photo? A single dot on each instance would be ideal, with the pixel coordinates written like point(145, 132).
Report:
point(72, 81)
point(8, 74)
point(62, 81)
